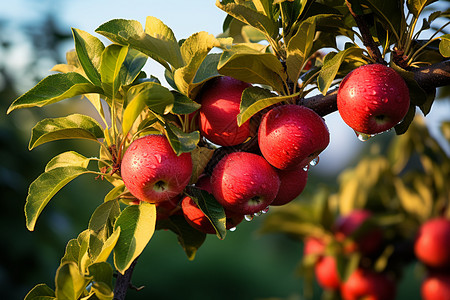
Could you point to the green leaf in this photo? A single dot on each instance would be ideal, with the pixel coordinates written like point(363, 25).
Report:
point(403, 126)
point(67, 159)
point(299, 48)
point(389, 12)
point(417, 95)
point(253, 99)
point(55, 88)
point(417, 6)
point(331, 67)
point(249, 16)
point(157, 41)
point(189, 238)
point(44, 188)
point(70, 284)
point(102, 291)
point(206, 71)
point(114, 193)
point(153, 95)
point(211, 208)
point(101, 272)
point(110, 66)
point(83, 258)
point(39, 291)
point(89, 50)
point(444, 45)
point(182, 105)
point(137, 224)
point(108, 246)
point(180, 141)
point(132, 66)
point(101, 227)
point(250, 63)
point(72, 253)
point(193, 50)
point(74, 126)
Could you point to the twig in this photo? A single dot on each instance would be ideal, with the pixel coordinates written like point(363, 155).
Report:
point(367, 39)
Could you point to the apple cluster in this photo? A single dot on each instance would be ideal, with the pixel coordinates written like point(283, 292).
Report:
point(432, 248)
point(353, 233)
point(371, 99)
point(244, 183)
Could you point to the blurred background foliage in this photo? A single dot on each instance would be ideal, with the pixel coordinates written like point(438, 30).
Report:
point(248, 264)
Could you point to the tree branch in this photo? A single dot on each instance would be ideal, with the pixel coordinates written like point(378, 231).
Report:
point(123, 282)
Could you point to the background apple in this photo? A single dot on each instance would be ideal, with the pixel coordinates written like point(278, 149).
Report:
point(368, 241)
point(244, 183)
point(327, 275)
point(436, 287)
point(220, 99)
point(290, 136)
point(372, 99)
point(432, 244)
point(152, 171)
point(366, 284)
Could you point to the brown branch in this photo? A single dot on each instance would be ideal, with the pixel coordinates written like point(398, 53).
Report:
point(123, 282)
point(367, 39)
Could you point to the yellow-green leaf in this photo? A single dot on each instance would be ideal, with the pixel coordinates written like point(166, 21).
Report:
point(70, 283)
point(137, 225)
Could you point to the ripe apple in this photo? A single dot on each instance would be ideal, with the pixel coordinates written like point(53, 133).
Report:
point(366, 284)
point(436, 287)
point(327, 275)
point(152, 171)
point(372, 99)
point(244, 183)
point(220, 99)
point(346, 225)
point(313, 246)
point(197, 219)
point(432, 244)
point(290, 136)
point(292, 184)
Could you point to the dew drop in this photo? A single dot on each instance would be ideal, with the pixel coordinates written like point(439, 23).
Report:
point(265, 210)
point(363, 137)
point(306, 168)
point(158, 158)
point(232, 229)
point(257, 214)
point(314, 162)
point(248, 217)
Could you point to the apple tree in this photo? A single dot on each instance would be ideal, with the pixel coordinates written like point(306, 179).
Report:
point(236, 129)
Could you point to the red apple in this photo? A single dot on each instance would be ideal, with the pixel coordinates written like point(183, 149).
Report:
point(432, 245)
point(197, 219)
point(327, 273)
point(366, 284)
point(292, 184)
point(290, 136)
point(436, 287)
point(152, 171)
point(220, 99)
point(313, 246)
point(368, 242)
point(372, 99)
point(165, 209)
point(244, 183)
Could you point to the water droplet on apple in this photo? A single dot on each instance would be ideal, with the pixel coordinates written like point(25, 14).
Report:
point(384, 100)
point(158, 158)
point(306, 168)
point(232, 229)
point(363, 137)
point(265, 210)
point(314, 162)
point(248, 217)
point(257, 214)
